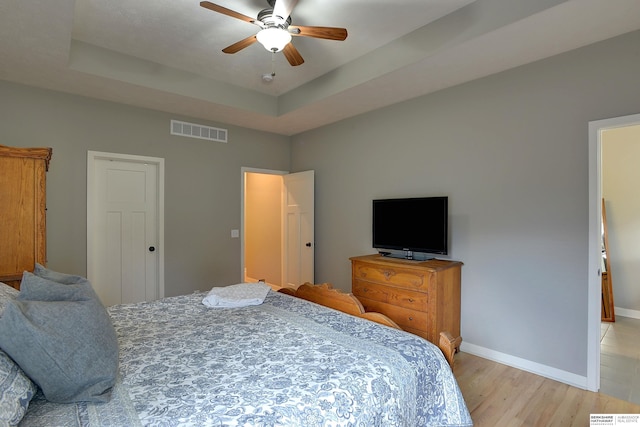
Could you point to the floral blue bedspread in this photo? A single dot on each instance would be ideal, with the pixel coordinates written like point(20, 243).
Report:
point(286, 362)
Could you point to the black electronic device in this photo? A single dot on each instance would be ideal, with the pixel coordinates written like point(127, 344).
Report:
point(418, 224)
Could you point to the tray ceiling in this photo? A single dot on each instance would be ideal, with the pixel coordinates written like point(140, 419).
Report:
point(166, 54)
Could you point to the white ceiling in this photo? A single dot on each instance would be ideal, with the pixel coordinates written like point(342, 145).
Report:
point(166, 54)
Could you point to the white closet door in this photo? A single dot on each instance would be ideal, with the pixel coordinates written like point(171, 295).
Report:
point(299, 228)
point(123, 248)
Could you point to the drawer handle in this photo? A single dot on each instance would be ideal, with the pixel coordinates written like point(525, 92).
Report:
point(388, 274)
point(411, 318)
point(411, 300)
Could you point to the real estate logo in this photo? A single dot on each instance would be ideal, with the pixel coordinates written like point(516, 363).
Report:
point(628, 420)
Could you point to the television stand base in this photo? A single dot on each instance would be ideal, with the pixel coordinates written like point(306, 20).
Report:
point(408, 256)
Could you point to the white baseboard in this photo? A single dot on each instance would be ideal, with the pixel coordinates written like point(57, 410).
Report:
point(526, 365)
point(248, 279)
point(625, 312)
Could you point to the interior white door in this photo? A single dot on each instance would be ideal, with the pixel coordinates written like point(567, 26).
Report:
point(123, 260)
point(299, 243)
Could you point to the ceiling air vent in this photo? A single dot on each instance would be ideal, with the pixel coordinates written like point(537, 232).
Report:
point(193, 130)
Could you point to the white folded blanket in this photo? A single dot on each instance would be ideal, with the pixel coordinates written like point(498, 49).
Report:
point(240, 295)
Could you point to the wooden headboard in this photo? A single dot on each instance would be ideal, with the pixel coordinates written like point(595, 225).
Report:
point(324, 294)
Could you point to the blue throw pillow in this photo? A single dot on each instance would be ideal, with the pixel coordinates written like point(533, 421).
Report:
point(36, 288)
point(66, 279)
point(7, 293)
point(16, 391)
point(62, 338)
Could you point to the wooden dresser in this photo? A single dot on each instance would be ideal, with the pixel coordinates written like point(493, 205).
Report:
point(422, 297)
point(22, 211)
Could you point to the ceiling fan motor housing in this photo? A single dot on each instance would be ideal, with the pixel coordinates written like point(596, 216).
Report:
point(267, 17)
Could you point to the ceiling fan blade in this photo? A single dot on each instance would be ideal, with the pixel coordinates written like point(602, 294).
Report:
point(293, 56)
point(328, 33)
point(238, 46)
point(228, 12)
point(283, 8)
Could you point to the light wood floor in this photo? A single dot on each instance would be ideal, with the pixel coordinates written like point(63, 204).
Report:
point(498, 395)
point(620, 359)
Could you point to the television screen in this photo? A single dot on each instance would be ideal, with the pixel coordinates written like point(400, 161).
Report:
point(412, 224)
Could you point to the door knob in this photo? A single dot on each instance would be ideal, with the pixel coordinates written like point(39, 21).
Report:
point(308, 244)
point(152, 248)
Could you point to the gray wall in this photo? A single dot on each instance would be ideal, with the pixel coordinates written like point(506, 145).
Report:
point(202, 178)
point(511, 152)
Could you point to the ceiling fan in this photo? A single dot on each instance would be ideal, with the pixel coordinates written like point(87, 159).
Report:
point(276, 29)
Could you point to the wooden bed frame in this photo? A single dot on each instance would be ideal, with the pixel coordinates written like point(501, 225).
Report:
point(324, 294)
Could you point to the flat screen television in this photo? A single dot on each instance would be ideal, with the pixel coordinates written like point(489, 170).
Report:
point(411, 225)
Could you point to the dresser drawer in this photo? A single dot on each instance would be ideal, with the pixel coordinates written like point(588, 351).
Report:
point(397, 275)
point(422, 297)
point(390, 295)
point(404, 317)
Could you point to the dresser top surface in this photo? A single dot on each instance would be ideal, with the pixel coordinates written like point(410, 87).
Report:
point(433, 264)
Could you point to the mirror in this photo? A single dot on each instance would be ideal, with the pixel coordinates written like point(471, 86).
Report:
point(608, 314)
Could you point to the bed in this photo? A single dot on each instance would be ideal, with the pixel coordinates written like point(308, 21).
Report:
point(285, 361)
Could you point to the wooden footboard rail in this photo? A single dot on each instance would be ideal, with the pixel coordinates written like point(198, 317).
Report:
point(325, 294)
point(449, 346)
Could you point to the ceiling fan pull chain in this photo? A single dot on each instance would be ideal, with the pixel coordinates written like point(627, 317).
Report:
point(268, 77)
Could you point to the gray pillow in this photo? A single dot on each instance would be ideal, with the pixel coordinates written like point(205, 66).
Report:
point(64, 342)
point(36, 288)
point(7, 293)
point(16, 391)
point(66, 279)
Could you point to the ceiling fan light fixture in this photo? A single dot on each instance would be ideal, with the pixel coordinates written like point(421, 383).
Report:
point(273, 39)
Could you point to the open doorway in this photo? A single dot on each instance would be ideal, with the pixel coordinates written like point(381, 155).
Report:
point(277, 223)
point(597, 132)
point(620, 337)
point(262, 226)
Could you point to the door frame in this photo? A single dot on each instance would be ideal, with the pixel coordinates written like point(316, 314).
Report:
point(92, 157)
point(243, 171)
point(594, 300)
